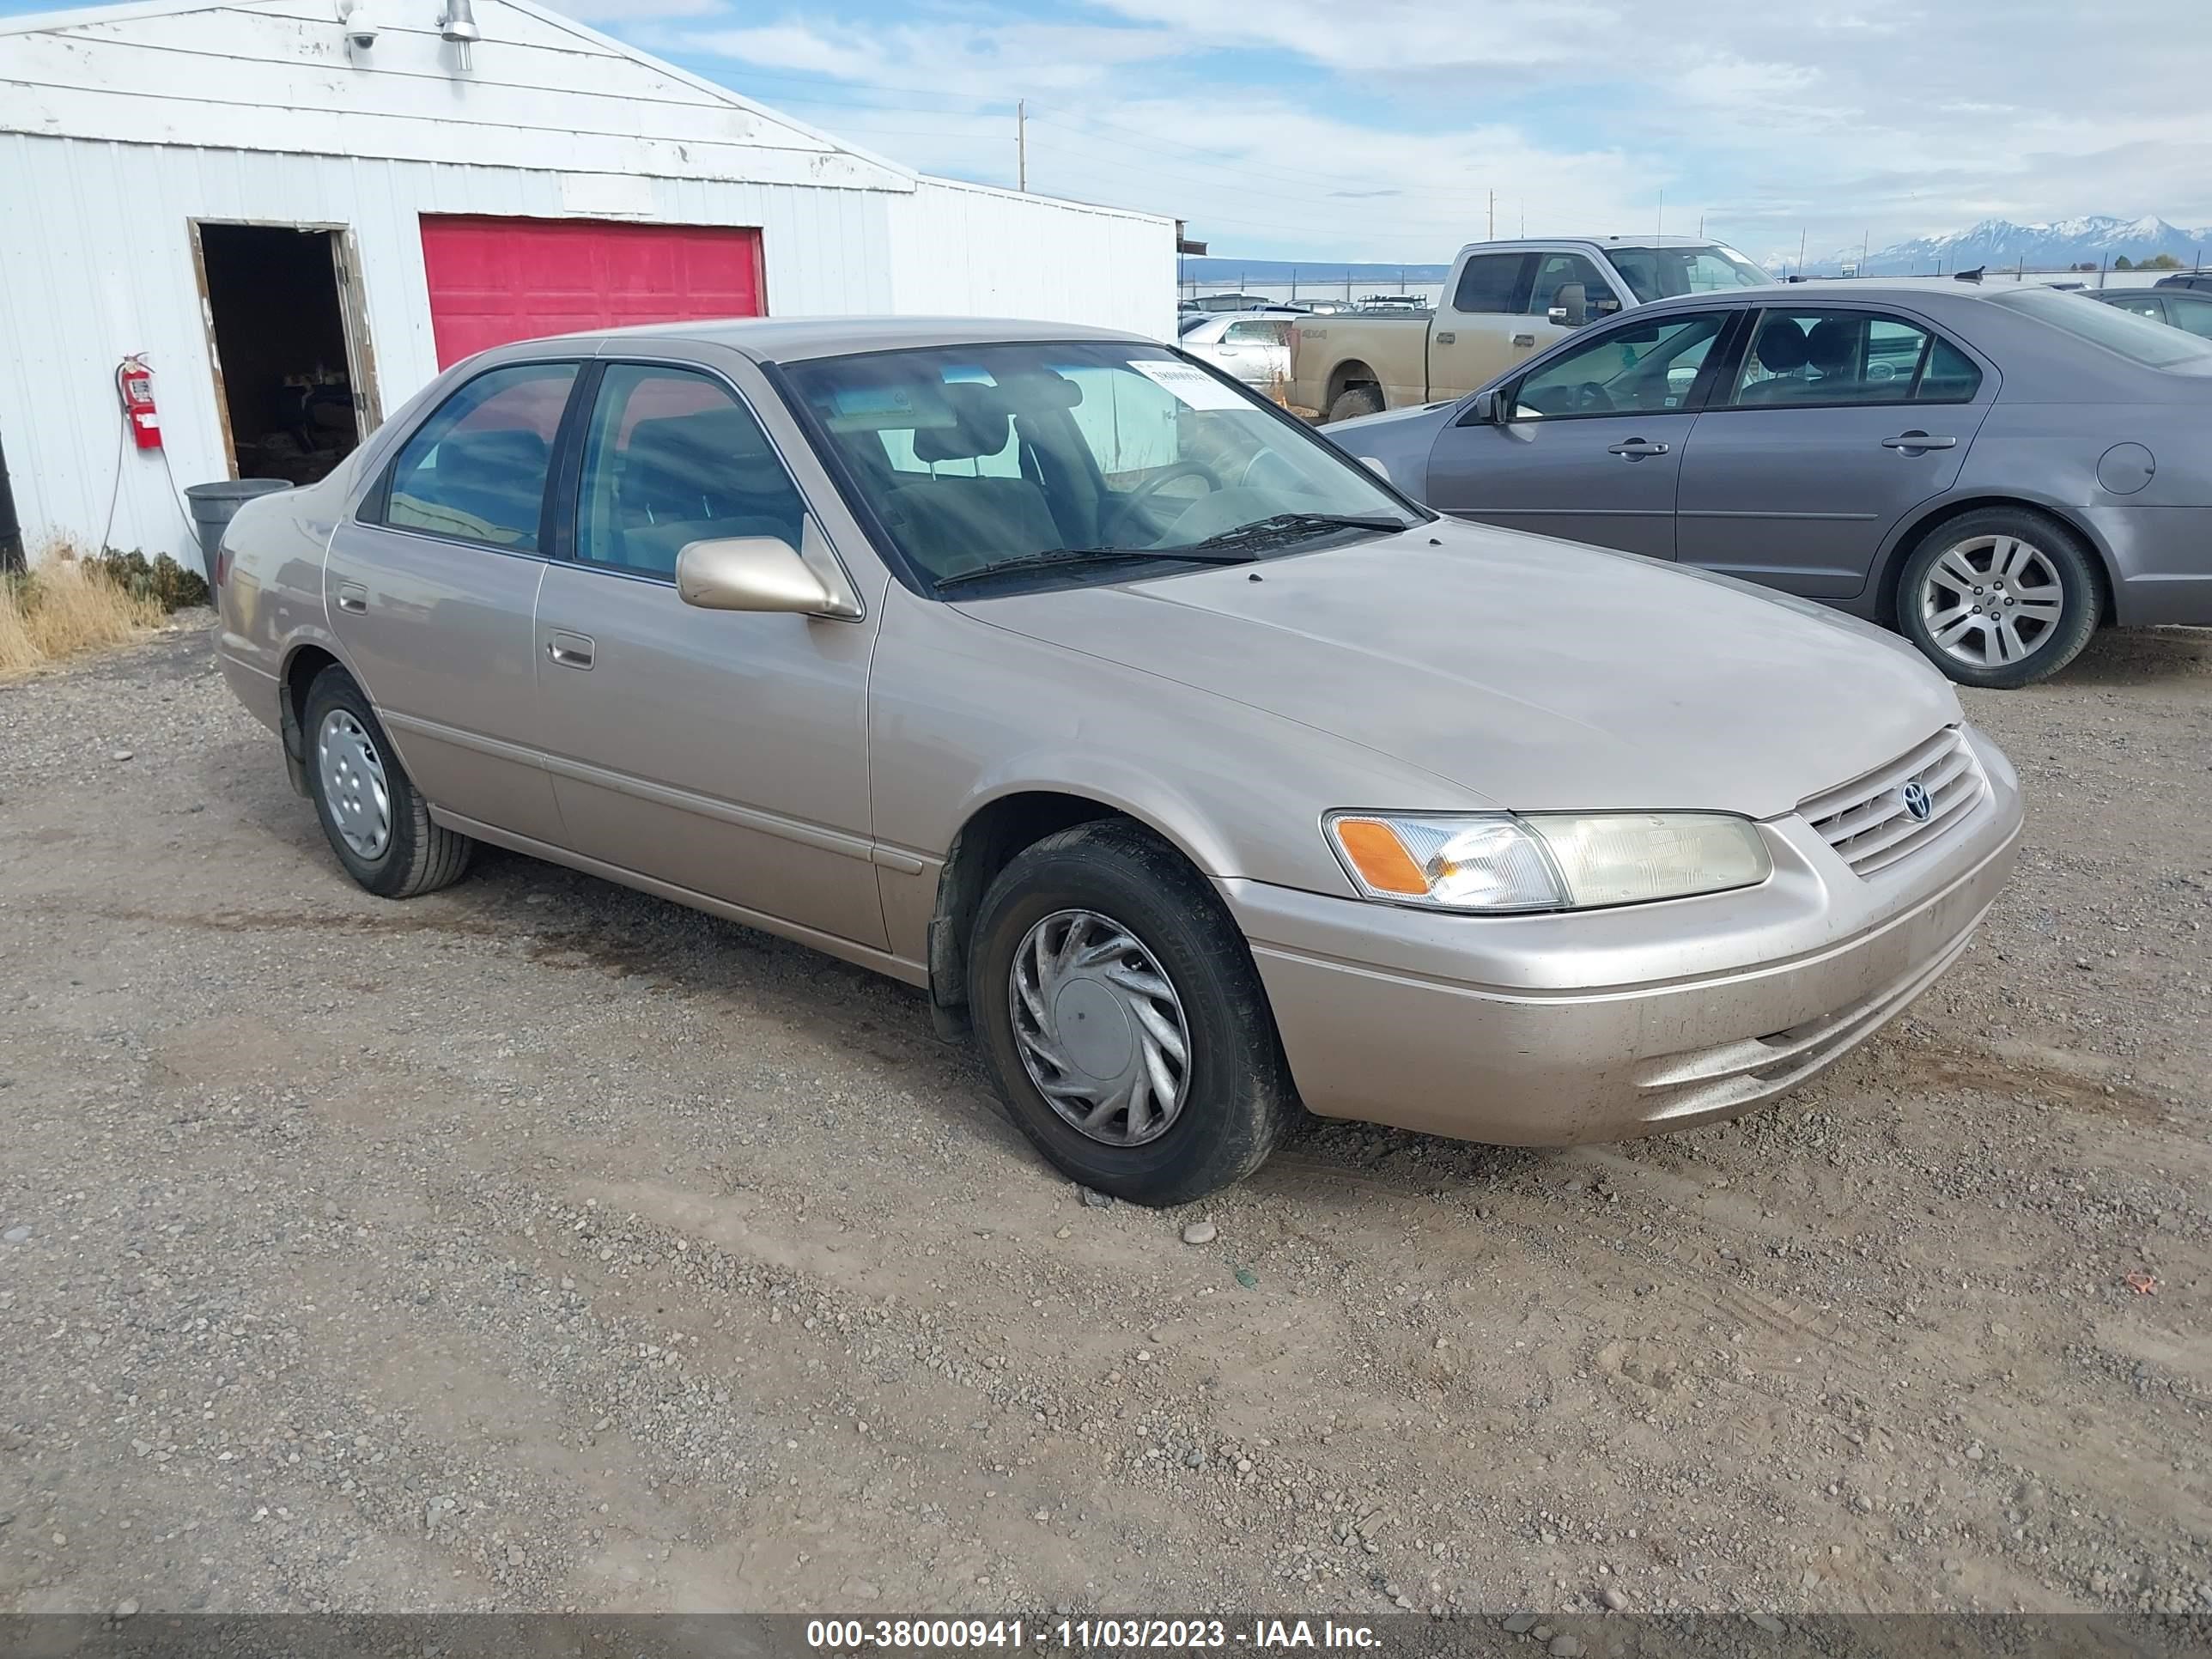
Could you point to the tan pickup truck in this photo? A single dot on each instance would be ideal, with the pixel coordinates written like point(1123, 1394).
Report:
point(1503, 302)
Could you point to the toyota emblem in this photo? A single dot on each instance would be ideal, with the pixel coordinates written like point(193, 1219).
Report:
point(1915, 797)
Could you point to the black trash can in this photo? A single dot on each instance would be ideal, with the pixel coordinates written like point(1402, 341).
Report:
point(214, 506)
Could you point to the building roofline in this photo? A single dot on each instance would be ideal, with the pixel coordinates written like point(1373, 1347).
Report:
point(82, 16)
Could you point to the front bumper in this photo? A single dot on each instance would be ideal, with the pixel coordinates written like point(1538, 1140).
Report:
point(1603, 1024)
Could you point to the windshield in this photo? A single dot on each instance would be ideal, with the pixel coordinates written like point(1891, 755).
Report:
point(2138, 339)
point(1657, 273)
point(975, 457)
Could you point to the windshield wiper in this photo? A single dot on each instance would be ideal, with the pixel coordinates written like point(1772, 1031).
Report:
point(1077, 556)
point(1281, 527)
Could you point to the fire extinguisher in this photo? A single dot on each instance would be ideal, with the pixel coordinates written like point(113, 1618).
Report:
point(134, 383)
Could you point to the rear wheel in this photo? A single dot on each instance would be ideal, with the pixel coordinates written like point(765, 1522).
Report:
point(2000, 596)
point(1123, 1020)
point(378, 824)
point(1354, 402)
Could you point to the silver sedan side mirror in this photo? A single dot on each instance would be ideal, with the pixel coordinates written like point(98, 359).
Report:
point(764, 574)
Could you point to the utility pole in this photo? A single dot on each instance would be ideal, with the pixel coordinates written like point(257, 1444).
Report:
point(1663, 213)
point(1022, 143)
point(1866, 241)
point(1801, 250)
point(1490, 235)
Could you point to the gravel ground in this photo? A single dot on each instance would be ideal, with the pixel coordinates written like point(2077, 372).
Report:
point(540, 1245)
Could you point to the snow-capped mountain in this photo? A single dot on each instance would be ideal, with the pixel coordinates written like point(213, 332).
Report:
point(2097, 237)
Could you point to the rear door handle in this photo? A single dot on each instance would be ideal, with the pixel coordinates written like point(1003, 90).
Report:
point(352, 596)
point(571, 650)
point(1447, 338)
point(1635, 449)
point(1524, 340)
point(1918, 440)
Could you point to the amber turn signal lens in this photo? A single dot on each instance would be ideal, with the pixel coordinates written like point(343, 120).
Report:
point(1380, 857)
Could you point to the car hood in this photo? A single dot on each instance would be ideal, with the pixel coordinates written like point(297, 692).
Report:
point(1537, 674)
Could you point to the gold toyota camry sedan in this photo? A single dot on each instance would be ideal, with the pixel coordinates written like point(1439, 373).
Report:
point(1204, 777)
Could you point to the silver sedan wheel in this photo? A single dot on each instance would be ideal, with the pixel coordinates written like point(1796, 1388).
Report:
point(1992, 600)
point(1100, 1028)
point(353, 782)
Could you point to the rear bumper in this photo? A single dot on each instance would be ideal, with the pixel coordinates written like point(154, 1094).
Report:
point(1554, 1030)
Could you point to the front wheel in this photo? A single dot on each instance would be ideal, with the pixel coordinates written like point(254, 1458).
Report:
point(2000, 597)
point(1121, 1018)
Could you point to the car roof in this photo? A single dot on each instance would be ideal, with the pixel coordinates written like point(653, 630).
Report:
point(795, 339)
point(1509, 243)
point(1866, 290)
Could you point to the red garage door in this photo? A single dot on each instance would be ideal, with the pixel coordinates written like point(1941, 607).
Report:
point(496, 280)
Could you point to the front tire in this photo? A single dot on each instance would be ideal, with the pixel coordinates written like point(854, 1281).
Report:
point(377, 823)
point(1123, 1021)
point(2000, 597)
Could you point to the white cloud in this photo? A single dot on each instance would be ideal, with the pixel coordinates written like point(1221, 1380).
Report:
point(1894, 118)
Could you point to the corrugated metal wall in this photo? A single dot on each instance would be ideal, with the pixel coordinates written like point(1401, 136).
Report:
point(961, 249)
point(98, 263)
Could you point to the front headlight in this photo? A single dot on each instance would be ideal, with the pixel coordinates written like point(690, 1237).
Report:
point(1502, 862)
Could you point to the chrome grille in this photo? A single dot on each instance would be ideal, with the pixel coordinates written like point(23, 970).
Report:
point(1867, 820)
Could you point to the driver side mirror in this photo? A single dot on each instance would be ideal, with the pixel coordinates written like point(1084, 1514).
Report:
point(1488, 409)
point(765, 573)
point(1570, 306)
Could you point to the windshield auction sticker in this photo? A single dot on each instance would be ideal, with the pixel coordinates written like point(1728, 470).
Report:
point(1195, 386)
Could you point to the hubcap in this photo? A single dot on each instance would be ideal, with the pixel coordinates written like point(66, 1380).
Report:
point(1992, 600)
point(1100, 1028)
point(353, 782)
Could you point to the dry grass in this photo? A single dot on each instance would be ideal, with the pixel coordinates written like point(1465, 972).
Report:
point(66, 609)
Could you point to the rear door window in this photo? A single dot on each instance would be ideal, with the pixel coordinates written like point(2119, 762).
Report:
point(1820, 358)
point(475, 469)
point(1489, 281)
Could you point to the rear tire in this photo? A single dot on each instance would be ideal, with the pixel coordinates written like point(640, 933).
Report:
point(2000, 597)
point(377, 823)
point(1150, 922)
point(1354, 402)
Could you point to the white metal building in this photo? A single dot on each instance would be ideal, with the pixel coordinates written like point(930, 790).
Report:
point(296, 211)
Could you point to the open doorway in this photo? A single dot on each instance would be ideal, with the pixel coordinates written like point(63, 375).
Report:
point(291, 355)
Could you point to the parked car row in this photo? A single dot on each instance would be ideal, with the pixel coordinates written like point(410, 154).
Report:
point(1993, 471)
point(1200, 772)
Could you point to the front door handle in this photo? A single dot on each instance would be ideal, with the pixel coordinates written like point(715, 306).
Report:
point(352, 596)
point(1635, 449)
point(1915, 442)
point(1519, 340)
point(570, 650)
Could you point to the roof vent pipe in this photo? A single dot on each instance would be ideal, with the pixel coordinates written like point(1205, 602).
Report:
point(458, 27)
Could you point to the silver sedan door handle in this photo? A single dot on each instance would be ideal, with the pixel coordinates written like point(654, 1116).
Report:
point(353, 597)
point(570, 650)
point(1635, 449)
point(1918, 440)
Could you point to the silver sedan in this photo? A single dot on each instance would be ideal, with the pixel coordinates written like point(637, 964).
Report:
point(1993, 469)
point(1204, 776)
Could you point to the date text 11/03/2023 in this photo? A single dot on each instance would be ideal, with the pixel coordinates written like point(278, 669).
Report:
point(1081, 1635)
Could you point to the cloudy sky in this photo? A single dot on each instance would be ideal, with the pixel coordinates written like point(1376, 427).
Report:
point(1377, 129)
